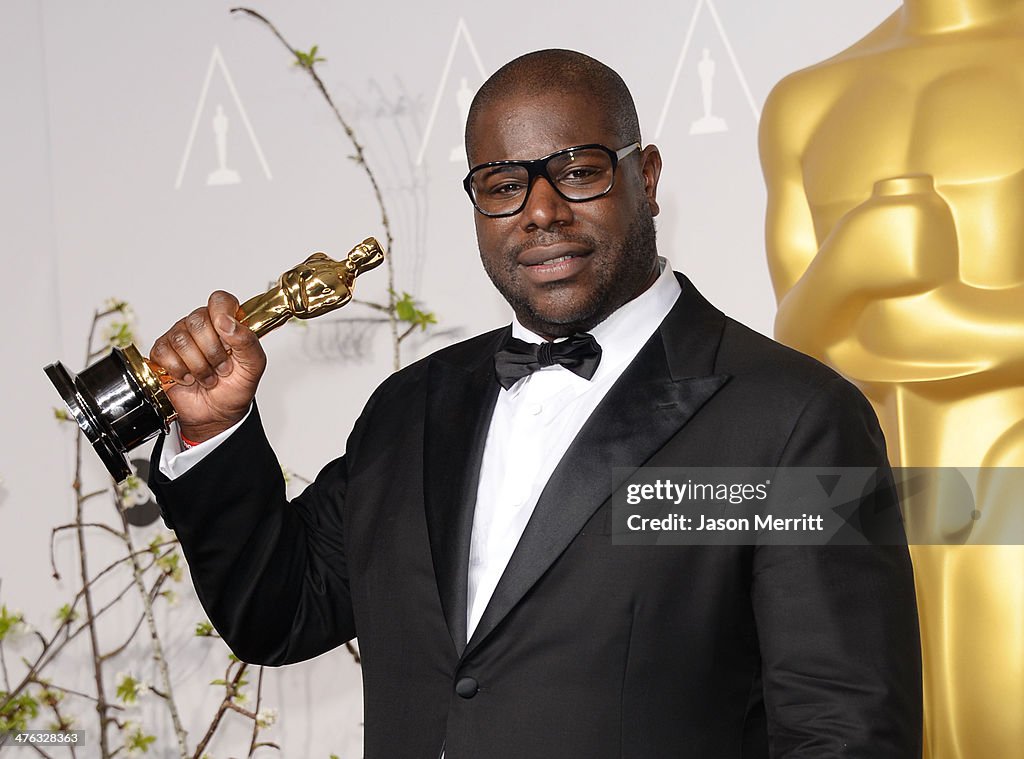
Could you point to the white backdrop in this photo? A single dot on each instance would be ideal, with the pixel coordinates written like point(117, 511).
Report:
point(108, 144)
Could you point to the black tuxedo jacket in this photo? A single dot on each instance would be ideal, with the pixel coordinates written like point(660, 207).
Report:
point(587, 650)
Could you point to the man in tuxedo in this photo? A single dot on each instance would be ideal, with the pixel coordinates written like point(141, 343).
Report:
point(465, 535)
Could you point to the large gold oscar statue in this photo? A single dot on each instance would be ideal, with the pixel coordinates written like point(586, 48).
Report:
point(895, 234)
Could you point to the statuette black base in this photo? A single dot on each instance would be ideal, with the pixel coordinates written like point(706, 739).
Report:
point(118, 404)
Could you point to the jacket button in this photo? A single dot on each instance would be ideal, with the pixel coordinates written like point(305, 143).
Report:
point(466, 687)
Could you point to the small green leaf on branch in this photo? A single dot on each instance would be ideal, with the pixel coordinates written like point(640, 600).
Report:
point(16, 715)
point(407, 310)
point(50, 697)
point(119, 334)
point(170, 565)
point(66, 614)
point(116, 304)
point(65, 724)
point(9, 621)
point(156, 544)
point(129, 689)
point(138, 742)
point(308, 60)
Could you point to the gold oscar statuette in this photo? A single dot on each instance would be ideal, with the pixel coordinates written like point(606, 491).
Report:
point(895, 240)
point(121, 401)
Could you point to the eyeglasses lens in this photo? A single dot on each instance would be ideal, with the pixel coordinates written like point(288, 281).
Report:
point(577, 174)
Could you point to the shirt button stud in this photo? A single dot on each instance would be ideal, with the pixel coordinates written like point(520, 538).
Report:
point(466, 687)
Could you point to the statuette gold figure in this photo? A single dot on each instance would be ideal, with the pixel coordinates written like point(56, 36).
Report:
point(121, 401)
point(895, 233)
point(315, 287)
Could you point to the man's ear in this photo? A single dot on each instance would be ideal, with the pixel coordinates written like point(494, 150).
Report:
point(650, 169)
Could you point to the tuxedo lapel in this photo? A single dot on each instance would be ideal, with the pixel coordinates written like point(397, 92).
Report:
point(664, 386)
point(460, 402)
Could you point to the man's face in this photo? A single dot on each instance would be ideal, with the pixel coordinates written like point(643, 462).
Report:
point(564, 266)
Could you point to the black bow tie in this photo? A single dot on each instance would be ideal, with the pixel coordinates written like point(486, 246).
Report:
point(579, 354)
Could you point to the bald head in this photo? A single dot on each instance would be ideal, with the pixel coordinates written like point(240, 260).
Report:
point(559, 72)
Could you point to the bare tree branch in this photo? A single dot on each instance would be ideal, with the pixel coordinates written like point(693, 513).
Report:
point(360, 158)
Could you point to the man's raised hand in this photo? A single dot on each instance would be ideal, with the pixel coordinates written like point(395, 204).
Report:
point(217, 363)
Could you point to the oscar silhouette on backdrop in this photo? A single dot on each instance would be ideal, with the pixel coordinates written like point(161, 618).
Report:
point(222, 174)
point(708, 123)
point(895, 233)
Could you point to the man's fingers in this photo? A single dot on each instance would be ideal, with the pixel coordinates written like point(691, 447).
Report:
point(183, 340)
point(214, 354)
point(192, 350)
point(178, 353)
point(165, 355)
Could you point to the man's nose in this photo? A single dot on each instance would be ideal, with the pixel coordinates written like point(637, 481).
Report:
point(545, 208)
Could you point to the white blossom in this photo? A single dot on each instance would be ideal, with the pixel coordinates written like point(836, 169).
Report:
point(266, 717)
point(133, 492)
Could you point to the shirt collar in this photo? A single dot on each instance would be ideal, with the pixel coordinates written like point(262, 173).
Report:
point(626, 330)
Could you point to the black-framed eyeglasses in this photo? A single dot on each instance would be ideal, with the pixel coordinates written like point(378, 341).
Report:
point(583, 172)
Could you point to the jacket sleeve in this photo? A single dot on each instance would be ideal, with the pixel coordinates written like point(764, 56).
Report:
point(837, 624)
point(270, 574)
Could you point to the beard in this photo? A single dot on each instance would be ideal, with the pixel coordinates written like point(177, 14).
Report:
point(619, 275)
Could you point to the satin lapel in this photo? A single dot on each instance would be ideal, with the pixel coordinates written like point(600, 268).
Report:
point(460, 402)
point(649, 403)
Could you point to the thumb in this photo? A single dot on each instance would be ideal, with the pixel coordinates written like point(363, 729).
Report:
point(242, 341)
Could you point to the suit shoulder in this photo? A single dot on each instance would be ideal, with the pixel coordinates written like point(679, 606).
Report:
point(786, 398)
point(466, 353)
point(783, 374)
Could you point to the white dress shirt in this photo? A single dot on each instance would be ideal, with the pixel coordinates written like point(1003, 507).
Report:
point(533, 424)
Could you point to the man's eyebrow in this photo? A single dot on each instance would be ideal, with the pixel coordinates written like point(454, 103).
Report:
point(492, 170)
